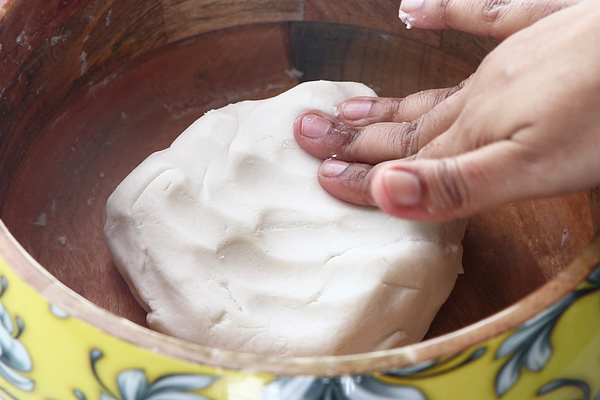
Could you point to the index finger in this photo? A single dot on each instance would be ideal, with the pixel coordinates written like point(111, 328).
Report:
point(362, 111)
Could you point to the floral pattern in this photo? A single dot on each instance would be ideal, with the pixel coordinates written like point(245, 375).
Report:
point(15, 360)
point(530, 346)
point(526, 350)
point(438, 367)
point(365, 387)
point(560, 383)
point(134, 385)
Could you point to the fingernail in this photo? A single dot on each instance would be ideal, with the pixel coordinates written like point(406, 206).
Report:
point(356, 109)
point(411, 5)
point(333, 168)
point(403, 187)
point(314, 126)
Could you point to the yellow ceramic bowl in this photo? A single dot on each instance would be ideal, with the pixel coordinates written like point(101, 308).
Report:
point(90, 88)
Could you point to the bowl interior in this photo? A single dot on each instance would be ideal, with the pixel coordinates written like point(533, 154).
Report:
point(61, 162)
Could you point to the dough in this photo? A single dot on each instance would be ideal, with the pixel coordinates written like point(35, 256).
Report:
point(228, 240)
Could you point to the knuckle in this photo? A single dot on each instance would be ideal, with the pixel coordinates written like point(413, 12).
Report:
point(362, 177)
point(449, 191)
point(393, 109)
point(493, 10)
point(357, 178)
point(459, 87)
point(405, 142)
point(444, 8)
point(442, 95)
point(345, 136)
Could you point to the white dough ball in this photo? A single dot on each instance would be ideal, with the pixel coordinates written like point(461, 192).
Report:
point(227, 239)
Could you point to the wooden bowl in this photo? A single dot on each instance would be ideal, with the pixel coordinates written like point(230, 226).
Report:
point(88, 89)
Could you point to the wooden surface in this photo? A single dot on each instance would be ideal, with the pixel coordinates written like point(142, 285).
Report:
point(97, 86)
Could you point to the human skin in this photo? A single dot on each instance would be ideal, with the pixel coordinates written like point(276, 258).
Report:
point(525, 125)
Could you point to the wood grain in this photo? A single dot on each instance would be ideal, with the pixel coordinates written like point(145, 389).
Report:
point(381, 15)
point(91, 40)
point(391, 65)
point(55, 206)
point(188, 18)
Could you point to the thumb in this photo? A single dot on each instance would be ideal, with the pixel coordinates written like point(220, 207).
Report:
point(491, 18)
point(457, 187)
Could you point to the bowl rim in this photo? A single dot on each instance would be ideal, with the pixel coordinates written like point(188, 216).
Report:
point(50, 288)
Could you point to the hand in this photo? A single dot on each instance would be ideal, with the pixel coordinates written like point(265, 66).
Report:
point(525, 125)
point(493, 18)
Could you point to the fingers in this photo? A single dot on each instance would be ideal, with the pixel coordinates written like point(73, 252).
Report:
point(493, 18)
point(461, 186)
point(445, 189)
point(324, 136)
point(439, 189)
point(361, 111)
point(433, 186)
point(350, 182)
point(327, 138)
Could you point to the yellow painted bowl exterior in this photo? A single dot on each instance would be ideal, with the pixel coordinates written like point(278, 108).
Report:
point(47, 354)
